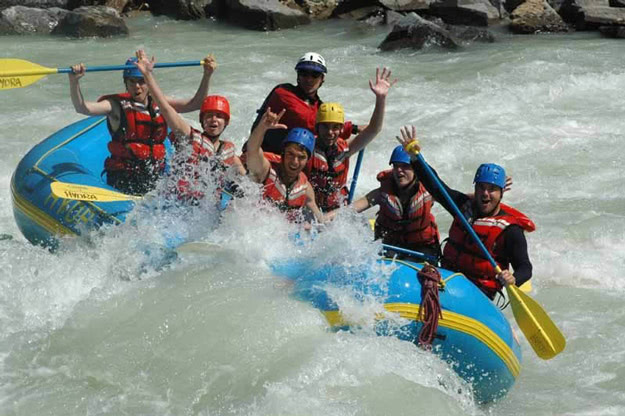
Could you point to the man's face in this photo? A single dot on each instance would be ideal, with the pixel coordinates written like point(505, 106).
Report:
point(294, 159)
point(309, 81)
point(328, 133)
point(213, 123)
point(137, 88)
point(403, 173)
point(487, 198)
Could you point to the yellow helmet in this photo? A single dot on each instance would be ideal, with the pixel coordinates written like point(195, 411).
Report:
point(331, 113)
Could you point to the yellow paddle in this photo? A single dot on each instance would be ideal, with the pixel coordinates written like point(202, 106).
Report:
point(18, 73)
point(89, 193)
point(542, 334)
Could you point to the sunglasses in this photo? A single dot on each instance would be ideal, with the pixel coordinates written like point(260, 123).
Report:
point(311, 74)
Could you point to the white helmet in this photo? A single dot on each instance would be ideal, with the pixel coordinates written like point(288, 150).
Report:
point(312, 61)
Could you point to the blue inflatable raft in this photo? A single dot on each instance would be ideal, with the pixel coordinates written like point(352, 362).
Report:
point(74, 154)
point(473, 335)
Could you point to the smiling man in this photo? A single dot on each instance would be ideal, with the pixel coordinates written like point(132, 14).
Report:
point(138, 130)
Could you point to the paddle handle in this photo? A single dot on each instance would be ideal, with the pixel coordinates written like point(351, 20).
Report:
point(418, 254)
point(352, 188)
point(457, 212)
point(122, 67)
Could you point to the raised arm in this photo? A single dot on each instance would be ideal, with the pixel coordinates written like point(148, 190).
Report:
point(175, 122)
point(88, 108)
point(359, 205)
point(381, 88)
point(195, 103)
point(257, 164)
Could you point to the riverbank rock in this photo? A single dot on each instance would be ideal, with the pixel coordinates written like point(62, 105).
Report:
point(406, 5)
point(591, 14)
point(317, 9)
point(263, 14)
point(415, 32)
point(38, 4)
point(465, 12)
point(535, 16)
point(119, 5)
point(20, 20)
point(615, 31)
point(186, 9)
point(97, 21)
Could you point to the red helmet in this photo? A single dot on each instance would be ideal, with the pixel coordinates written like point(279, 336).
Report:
point(216, 103)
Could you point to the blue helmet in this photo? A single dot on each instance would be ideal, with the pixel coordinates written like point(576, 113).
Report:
point(134, 71)
point(301, 136)
point(491, 173)
point(399, 155)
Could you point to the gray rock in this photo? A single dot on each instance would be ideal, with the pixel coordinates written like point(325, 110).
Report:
point(39, 4)
point(536, 16)
point(617, 3)
point(318, 9)
point(406, 5)
point(118, 5)
point(615, 31)
point(96, 21)
point(19, 20)
point(348, 6)
point(264, 14)
point(466, 12)
point(591, 14)
point(187, 9)
point(361, 13)
point(415, 32)
point(471, 33)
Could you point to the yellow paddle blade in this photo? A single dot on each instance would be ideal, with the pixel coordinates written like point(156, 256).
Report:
point(18, 73)
point(88, 193)
point(526, 287)
point(540, 331)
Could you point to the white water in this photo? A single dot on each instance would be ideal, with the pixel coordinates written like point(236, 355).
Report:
point(88, 331)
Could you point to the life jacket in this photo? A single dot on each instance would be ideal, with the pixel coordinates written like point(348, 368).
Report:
point(327, 173)
point(287, 199)
point(220, 154)
point(462, 254)
point(138, 144)
point(301, 111)
point(411, 226)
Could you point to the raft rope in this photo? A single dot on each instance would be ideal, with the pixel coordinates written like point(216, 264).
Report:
point(430, 310)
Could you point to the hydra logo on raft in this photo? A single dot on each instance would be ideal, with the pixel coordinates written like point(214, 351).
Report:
point(70, 210)
point(13, 82)
point(80, 195)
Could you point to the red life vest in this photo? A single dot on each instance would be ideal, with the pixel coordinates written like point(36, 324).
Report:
point(412, 226)
point(299, 113)
point(285, 198)
point(137, 145)
point(463, 255)
point(220, 152)
point(329, 179)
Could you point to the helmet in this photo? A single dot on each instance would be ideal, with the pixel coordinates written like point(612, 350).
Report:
point(134, 71)
point(331, 113)
point(399, 155)
point(490, 173)
point(216, 103)
point(301, 136)
point(311, 61)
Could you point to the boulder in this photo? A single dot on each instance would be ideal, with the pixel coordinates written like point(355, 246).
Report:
point(616, 3)
point(96, 21)
point(20, 20)
point(466, 12)
point(470, 34)
point(363, 13)
point(186, 9)
point(613, 31)
point(415, 32)
point(119, 5)
point(318, 9)
point(406, 5)
point(39, 4)
point(591, 14)
point(263, 14)
point(348, 6)
point(536, 16)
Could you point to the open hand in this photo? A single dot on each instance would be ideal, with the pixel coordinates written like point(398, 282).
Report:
point(382, 82)
point(409, 139)
point(144, 64)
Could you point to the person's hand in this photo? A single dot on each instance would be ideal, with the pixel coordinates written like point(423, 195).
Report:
point(209, 64)
point(144, 64)
point(78, 71)
point(270, 120)
point(506, 278)
point(409, 139)
point(508, 184)
point(382, 82)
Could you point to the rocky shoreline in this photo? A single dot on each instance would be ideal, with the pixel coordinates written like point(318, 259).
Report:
point(415, 23)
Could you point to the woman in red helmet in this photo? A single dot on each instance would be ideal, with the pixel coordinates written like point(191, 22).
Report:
point(137, 127)
point(206, 145)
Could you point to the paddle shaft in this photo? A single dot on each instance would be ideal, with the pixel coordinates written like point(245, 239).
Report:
point(46, 71)
point(352, 188)
point(417, 254)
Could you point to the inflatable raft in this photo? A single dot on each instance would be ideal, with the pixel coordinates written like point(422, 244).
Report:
point(473, 335)
point(74, 154)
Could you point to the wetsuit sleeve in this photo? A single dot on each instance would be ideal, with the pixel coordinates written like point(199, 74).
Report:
point(458, 197)
point(515, 249)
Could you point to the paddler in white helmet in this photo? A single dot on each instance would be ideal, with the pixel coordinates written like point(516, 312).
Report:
point(138, 130)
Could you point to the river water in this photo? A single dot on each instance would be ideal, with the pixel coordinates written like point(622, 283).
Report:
point(91, 330)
